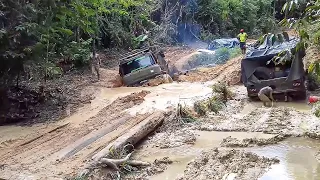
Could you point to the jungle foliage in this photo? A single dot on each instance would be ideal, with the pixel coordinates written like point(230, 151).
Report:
point(48, 33)
point(304, 17)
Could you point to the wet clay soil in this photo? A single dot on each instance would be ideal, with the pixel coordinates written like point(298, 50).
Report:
point(271, 140)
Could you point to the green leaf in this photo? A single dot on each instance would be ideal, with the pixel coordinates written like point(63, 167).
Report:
point(65, 31)
point(311, 67)
point(284, 8)
point(304, 34)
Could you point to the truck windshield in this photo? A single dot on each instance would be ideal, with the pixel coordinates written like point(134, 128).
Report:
point(136, 64)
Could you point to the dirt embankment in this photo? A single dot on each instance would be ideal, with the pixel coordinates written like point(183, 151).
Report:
point(229, 72)
point(35, 102)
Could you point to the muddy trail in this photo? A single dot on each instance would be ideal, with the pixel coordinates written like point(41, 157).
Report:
point(243, 140)
point(62, 149)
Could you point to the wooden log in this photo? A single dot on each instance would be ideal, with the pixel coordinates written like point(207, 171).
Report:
point(133, 136)
point(136, 134)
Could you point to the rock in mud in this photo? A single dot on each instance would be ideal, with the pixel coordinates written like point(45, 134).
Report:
point(251, 142)
point(217, 164)
point(158, 80)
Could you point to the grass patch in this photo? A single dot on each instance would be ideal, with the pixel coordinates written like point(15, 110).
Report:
point(215, 104)
point(222, 91)
point(316, 109)
point(185, 114)
point(201, 107)
point(220, 95)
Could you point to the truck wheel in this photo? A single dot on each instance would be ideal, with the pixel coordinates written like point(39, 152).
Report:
point(302, 95)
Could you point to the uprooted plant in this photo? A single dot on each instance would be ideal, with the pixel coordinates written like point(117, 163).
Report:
point(185, 114)
point(118, 163)
point(220, 95)
point(222, 92)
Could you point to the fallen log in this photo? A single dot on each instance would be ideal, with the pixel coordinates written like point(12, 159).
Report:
point(133, 136)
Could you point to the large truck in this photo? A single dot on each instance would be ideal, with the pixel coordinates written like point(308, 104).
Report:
point(138, 66)
point(258, 69)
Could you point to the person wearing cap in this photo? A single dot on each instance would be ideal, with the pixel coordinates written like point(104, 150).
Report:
point(242, 37)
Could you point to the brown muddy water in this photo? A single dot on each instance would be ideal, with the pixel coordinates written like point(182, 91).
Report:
point(297, 159)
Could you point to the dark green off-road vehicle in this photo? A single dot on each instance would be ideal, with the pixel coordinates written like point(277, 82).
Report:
point(260, 69)
point(140, 65)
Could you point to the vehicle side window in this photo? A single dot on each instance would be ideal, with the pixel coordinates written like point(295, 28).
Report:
point(137, 64)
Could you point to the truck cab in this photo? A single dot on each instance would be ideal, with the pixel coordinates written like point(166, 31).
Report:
point(140, 65)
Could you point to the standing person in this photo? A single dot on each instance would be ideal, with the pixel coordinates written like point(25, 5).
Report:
point(243, 39)
point(265, 94)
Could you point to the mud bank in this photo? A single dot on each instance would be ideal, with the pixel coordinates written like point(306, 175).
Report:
point(59, 151)
point(251, 142)
point(231, 164)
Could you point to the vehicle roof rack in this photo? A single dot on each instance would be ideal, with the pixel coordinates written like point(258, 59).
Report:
point(127, 57)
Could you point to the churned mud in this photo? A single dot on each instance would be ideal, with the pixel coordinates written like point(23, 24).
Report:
point(251, 142)
point(243, 125)
point(230, 72)
point(231, 164)
point(244, 140)
point(62, 149)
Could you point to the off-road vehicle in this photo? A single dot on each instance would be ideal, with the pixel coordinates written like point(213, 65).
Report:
point(259, 70)
point(220, 43)
point(139, 65)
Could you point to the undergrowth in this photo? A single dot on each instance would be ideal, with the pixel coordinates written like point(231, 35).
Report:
point(185, 114)
point(220, 95)
point(316, 109)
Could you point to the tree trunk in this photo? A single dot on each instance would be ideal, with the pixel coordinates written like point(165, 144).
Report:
point(135, 135)
point(95, 65)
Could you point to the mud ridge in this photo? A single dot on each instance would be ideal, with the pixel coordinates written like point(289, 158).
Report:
point(218, 164)
point(251, 142)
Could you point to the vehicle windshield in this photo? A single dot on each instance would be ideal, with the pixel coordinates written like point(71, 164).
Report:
point(137, 64)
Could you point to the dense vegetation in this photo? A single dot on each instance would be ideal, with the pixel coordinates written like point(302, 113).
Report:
point(304, 16)
point(39, 34)
point(42, 35)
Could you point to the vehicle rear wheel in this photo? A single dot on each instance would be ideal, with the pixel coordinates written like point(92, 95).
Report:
point(302, 95)
point(253, 98)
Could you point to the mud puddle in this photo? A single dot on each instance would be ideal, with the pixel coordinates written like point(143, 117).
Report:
point(297, 159)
